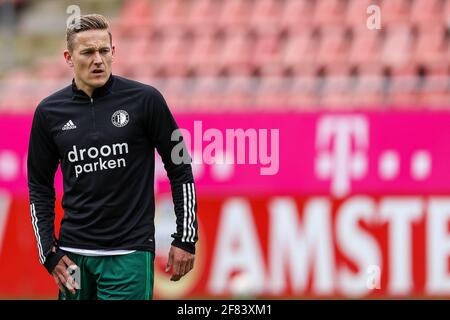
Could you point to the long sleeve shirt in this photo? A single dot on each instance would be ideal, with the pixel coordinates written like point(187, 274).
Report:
point(105, 145)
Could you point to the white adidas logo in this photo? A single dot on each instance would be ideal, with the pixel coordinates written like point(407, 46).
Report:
point(69, 126)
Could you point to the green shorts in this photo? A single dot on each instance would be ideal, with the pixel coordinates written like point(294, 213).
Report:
point(120, 277)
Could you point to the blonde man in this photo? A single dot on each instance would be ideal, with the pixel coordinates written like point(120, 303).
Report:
point(103, 130)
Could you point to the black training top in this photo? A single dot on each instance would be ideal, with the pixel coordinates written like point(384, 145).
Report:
point(105, 146)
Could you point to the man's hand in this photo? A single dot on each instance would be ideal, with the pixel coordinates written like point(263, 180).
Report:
point(62, 276)
point(182, 262)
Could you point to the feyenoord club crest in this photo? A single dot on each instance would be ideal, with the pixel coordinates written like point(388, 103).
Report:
point(120, 118)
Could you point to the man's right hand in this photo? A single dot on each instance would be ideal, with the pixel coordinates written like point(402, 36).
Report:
point(62, 276)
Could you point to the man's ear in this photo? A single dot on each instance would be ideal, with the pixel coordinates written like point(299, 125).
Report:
point(68, 58)
point(113, 51)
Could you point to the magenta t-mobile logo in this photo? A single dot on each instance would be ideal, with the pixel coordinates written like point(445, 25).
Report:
point(341, 150)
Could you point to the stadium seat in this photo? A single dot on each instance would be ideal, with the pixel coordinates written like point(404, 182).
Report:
point(172, 14)
point(297, 16)
point(334, 45)
point(267, 51)
point(134, 15)
point(397, 47)
point(427, 12)
point(204, 53)
point(236, 52)
point(300, 50)
point(365, 47)
point(330, 13)
point(395, 13)
point(356, 13)
point(308, 53)
point(204, 14)
point(432, 45)
point(265, 15)
point(235, 14)
point(174, 51)
point(129, 50)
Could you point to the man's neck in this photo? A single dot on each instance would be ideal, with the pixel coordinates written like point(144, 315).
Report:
point(86, 89)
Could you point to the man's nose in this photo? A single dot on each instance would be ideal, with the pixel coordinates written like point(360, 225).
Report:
point(97, 58)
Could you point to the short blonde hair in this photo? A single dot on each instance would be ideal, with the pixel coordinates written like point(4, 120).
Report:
point(86, 22)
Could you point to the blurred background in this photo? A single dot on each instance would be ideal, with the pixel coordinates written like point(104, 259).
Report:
point(352, 97)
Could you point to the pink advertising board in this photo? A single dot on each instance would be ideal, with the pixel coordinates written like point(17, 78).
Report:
point(368, 186)
point(317, 153)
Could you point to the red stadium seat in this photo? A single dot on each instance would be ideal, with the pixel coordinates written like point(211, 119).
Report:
point(395, 12)
point(446, 12)
point(356, 13)
point(140, 48)
point(204, 54)
point(330, 13)
point(172, 14)
point(236, 52)
point(267, 51)
point(297, 16)
point(334, 46)
point(397, 47)
point(300, 50)
point(428, 12)
point(432, 46)
point(235, 14)
point(305, 54)
point(203, 14)
point(134, 15)
point(365, 47)
point(174, 54)
point(51, 69)
point(265, 15)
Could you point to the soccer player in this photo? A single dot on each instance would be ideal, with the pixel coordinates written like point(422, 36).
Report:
point(103, 130)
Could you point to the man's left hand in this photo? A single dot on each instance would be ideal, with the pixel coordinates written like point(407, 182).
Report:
point(181, 261)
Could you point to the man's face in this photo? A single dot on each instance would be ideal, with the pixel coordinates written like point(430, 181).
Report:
point(91, 59)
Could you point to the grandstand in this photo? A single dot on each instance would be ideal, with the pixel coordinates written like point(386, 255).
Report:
point(233, 55)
